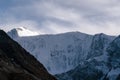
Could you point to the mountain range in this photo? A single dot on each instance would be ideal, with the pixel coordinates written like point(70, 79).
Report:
point(74, 55)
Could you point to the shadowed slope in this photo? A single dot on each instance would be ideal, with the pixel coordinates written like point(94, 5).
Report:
point(17, 63)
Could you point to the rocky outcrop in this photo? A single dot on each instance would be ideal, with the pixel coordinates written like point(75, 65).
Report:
point(98, 45)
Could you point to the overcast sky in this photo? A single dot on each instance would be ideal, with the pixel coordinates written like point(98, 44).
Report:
point(58, 16)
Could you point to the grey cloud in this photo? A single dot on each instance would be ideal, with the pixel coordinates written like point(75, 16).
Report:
point(55, 16)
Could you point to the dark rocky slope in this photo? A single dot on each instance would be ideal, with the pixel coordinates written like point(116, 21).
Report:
point(17, 64)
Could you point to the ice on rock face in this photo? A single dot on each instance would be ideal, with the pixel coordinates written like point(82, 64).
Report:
point(97, 67)
point(105, 66)
point(98, 46)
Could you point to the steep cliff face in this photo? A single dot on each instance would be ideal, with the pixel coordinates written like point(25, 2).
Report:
point(114, 59)
point(98, 45)
point(17, 64)
point(105, 66)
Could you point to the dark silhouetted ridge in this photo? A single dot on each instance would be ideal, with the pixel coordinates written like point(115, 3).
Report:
point(17, 64)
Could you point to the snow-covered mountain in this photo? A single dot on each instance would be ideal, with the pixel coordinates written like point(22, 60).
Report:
point(22, 32)
point(59, 53)
point(74, 54)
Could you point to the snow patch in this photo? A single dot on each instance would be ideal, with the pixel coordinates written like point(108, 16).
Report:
point(22, 31)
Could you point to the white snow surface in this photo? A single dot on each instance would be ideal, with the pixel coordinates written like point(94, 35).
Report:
point(22, 31)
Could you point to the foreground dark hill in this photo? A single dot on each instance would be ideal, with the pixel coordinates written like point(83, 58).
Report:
point(17, 64)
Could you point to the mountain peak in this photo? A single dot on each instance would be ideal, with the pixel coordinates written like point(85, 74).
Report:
point(21, 28)
point(21, 32)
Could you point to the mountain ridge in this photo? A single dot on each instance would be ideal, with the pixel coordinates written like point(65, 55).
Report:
point(17, 64)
